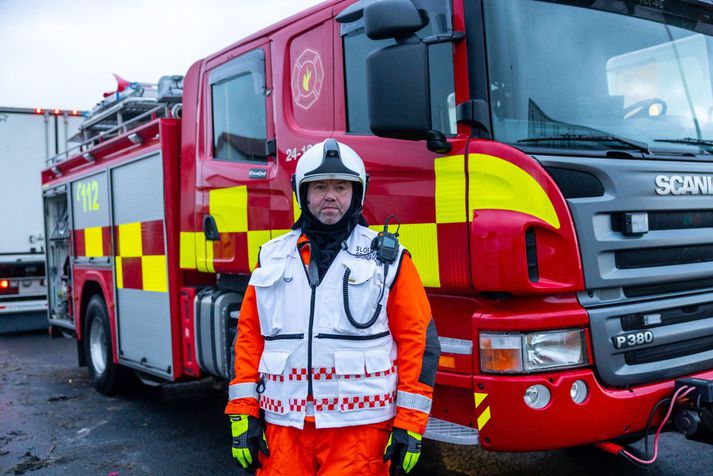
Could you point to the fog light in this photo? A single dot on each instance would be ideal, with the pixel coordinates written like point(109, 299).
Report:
point(579, 392)
point(537, 396)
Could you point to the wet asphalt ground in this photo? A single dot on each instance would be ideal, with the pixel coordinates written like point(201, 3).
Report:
point(53, 422)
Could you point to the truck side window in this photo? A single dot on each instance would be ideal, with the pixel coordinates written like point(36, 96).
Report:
point(356, 46)
point(238, 101)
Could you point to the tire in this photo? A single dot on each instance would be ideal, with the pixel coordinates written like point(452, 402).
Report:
point(106, 376)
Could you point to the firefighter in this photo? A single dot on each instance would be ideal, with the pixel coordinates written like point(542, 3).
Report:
point(336, 352)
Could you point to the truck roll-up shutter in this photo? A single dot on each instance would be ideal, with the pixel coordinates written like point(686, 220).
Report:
point(91, 231)
point(140, 269)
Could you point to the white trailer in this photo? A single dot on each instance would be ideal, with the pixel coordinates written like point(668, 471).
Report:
point(28, 138)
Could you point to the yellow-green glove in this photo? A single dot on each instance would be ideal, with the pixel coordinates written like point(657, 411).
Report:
point(403, 449)
point(248, 439)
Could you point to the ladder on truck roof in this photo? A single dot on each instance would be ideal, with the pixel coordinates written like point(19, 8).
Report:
point(124, 110)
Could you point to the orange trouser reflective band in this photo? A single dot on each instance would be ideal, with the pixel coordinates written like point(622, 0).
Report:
point(344, 451)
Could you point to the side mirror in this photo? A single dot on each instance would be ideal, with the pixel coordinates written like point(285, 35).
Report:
point(398, 91)
point(391, 19)
point(398, 88)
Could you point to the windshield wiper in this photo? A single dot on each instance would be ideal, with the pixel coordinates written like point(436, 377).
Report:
point(702, 143)
point(634, 144)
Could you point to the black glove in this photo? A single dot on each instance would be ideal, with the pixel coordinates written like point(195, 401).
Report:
point(248, 439)
point(403, 449)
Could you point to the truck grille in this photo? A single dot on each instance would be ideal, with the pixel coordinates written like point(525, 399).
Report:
point(682, 330)
point(650, 257)
point(670, 288)
point(681, 220)
point(646, 260)
point(672, 351)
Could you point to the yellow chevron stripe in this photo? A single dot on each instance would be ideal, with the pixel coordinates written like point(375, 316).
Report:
point(130, 240)
point(93, 242)
point(484, 418)
point(497, 184)
point(154, 274)
point(187, 252)
point(118, 272)
point(229, 207)
point(450, 189)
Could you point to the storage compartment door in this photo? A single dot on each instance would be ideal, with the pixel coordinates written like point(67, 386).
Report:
point(144, 320)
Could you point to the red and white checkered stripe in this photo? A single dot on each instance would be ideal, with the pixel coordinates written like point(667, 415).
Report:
point(329, 373)
point(367, 401)
point(297, 374)
point(297, 405)
point(271, 404)
point(325, 373)
point(370, 375)
point(354, 403)
point(326, 404)
point(274, 378)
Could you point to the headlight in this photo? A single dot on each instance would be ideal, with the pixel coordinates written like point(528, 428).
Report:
point(532, 352)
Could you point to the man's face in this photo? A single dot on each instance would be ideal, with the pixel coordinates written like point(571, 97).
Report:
point(328, 200)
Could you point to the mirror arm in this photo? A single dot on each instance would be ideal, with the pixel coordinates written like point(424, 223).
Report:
point(450, 37)
point(436, 141)
point(475, 114)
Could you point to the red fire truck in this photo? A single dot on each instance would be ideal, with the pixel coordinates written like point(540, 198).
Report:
point(549, 163)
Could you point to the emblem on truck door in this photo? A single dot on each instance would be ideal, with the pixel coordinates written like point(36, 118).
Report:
point(307, 77)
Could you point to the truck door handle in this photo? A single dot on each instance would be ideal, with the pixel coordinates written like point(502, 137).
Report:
point(210, 229)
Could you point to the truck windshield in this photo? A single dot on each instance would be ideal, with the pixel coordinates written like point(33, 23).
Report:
point(636, 75)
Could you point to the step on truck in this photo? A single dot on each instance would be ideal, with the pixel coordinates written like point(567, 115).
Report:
point(549, 162)
point(28, 138)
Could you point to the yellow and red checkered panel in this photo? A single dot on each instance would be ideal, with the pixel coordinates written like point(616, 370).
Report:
point(93, 242)
point(141, 256)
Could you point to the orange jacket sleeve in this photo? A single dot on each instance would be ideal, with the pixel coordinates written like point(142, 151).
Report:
point(248, 347)
point(417, 344)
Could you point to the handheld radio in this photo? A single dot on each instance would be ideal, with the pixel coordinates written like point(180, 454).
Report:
point(386, 244)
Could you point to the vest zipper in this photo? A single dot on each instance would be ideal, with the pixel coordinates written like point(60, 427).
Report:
point(309, 341)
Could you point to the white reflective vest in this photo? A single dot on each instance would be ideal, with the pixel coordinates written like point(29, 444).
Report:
point(309, 341)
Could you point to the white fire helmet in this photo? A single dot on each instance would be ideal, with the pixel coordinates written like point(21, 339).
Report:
point(329, 160)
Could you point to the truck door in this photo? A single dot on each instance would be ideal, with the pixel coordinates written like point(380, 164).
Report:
point(426, 191)
point(235, 167)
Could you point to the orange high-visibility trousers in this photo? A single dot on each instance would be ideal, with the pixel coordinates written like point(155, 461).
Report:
point(351, 450)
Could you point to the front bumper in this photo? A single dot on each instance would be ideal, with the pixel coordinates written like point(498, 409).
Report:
point(506, 423)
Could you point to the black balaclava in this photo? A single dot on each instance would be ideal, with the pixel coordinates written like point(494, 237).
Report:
point(326, 240)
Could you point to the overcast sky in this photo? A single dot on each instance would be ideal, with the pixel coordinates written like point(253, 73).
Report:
point(62, 53)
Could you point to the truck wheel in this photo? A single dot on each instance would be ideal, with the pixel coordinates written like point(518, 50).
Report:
point(107, 377)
